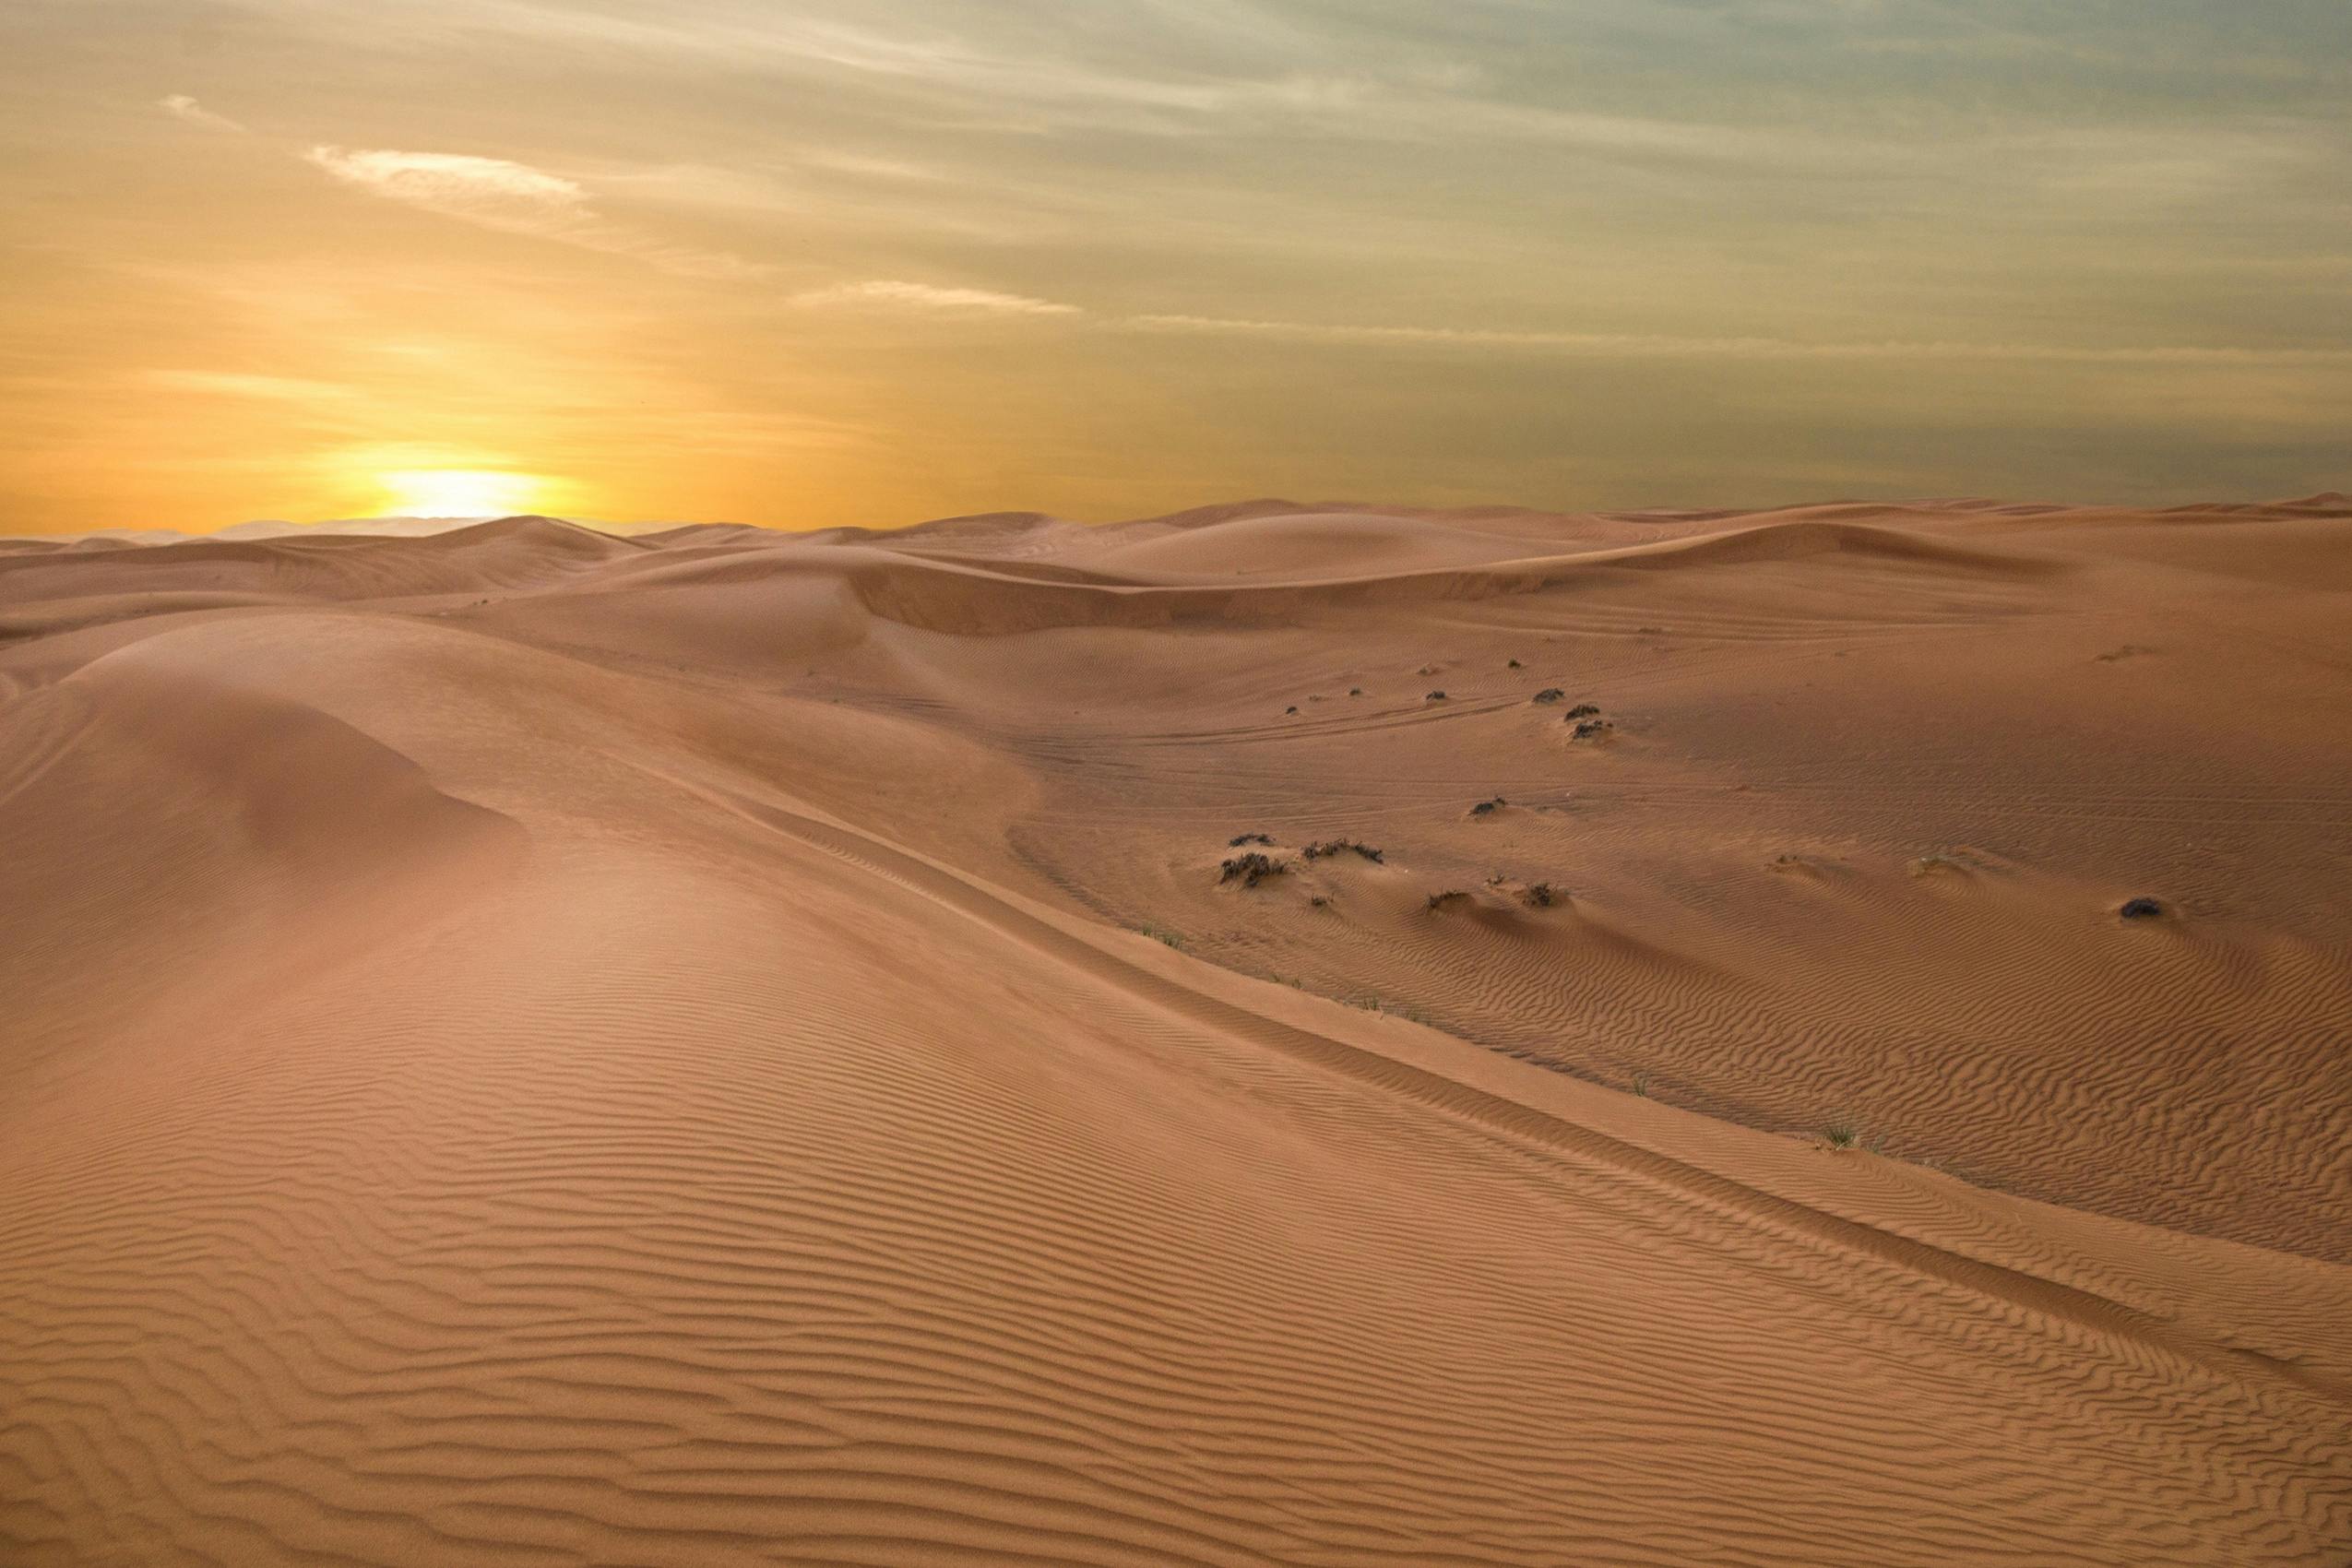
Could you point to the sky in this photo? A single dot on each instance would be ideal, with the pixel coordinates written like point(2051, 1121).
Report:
point(871, 261)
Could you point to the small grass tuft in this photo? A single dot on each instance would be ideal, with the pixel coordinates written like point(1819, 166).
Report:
point(1842, 1135)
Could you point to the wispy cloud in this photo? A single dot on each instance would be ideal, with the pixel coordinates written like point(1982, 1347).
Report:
point(1194, 70)
point(515, 198)
point(179, 106)
point(489, 190)
point(891, 294)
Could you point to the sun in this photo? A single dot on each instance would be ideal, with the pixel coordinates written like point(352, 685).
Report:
point(459, 493)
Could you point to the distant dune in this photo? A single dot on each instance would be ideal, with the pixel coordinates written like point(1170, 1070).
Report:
point(532, 1044)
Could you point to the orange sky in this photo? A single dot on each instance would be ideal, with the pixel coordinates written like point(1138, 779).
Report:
point(872, 262)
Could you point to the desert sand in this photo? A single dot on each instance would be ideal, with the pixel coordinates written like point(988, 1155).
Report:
point(526, 1046)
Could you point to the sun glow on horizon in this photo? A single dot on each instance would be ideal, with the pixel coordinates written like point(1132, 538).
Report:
point(460, 492)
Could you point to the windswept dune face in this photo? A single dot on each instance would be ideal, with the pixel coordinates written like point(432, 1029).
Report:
point(525, 1047)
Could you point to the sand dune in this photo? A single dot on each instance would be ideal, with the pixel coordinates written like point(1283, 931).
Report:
point(527, 1047)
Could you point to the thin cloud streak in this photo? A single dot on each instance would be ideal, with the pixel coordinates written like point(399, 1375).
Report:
point(179, 106)
point(926, 299)
point(892, 294)
point(489, 190)
point(1648, 345)
point(515, 198)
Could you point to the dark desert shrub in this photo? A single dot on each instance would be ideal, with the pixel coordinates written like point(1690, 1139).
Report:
point(1241, 838)
point(1435, 696)
point(1550, 693)
point(1582, 710)
point(1339, 845)
point(1590, 729)
point(1250, 868)
point(2141, 910)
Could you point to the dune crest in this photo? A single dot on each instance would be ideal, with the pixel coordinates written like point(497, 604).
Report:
point(534, 1047)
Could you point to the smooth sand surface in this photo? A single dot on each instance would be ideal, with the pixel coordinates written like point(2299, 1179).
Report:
point(530, 1047)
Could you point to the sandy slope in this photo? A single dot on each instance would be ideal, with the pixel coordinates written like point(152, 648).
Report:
point(530, 1048)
